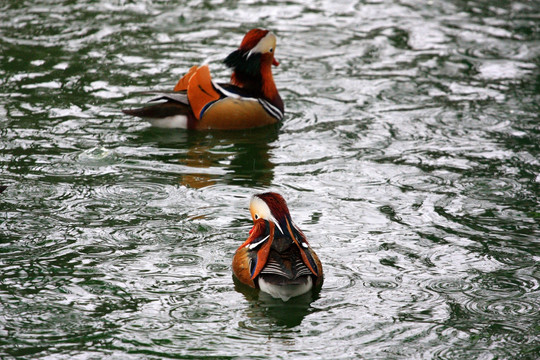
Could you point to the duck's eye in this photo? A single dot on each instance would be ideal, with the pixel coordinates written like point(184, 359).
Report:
point(271, 50)
point(256, 216)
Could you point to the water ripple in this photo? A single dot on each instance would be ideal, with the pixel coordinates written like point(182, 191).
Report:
point(499, 308)
point(447, 286)
point(408, 155)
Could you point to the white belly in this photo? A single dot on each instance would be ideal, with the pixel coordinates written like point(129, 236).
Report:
point(169, 122)
point(285, 292)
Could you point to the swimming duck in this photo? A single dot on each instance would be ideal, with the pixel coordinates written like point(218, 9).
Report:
point(276, 258)
point(250, 99)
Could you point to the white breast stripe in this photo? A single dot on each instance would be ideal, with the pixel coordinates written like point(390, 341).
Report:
point(254, 245)
point(271, 109)
point(231, 94)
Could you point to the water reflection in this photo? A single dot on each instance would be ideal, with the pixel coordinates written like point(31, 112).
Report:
point(231, 157)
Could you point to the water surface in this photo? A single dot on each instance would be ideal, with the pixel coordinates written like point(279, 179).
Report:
point(409, 156)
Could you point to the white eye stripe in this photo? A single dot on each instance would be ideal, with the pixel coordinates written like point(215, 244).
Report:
point(260, 208)
point(262, 44)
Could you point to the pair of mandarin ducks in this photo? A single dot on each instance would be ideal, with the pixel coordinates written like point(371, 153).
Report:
point(276, 258)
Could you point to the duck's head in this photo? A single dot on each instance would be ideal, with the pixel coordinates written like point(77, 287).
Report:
point(252, 62)
point(258, 42)
point(271, 207)
point(257, 48)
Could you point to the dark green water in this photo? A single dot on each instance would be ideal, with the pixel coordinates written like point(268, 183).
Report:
point(410, 157)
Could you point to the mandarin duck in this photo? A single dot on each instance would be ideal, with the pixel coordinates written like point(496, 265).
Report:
point(276, 258)
point(250, 99)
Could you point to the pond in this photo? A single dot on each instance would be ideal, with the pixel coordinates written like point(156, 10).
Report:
point(409, 155)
